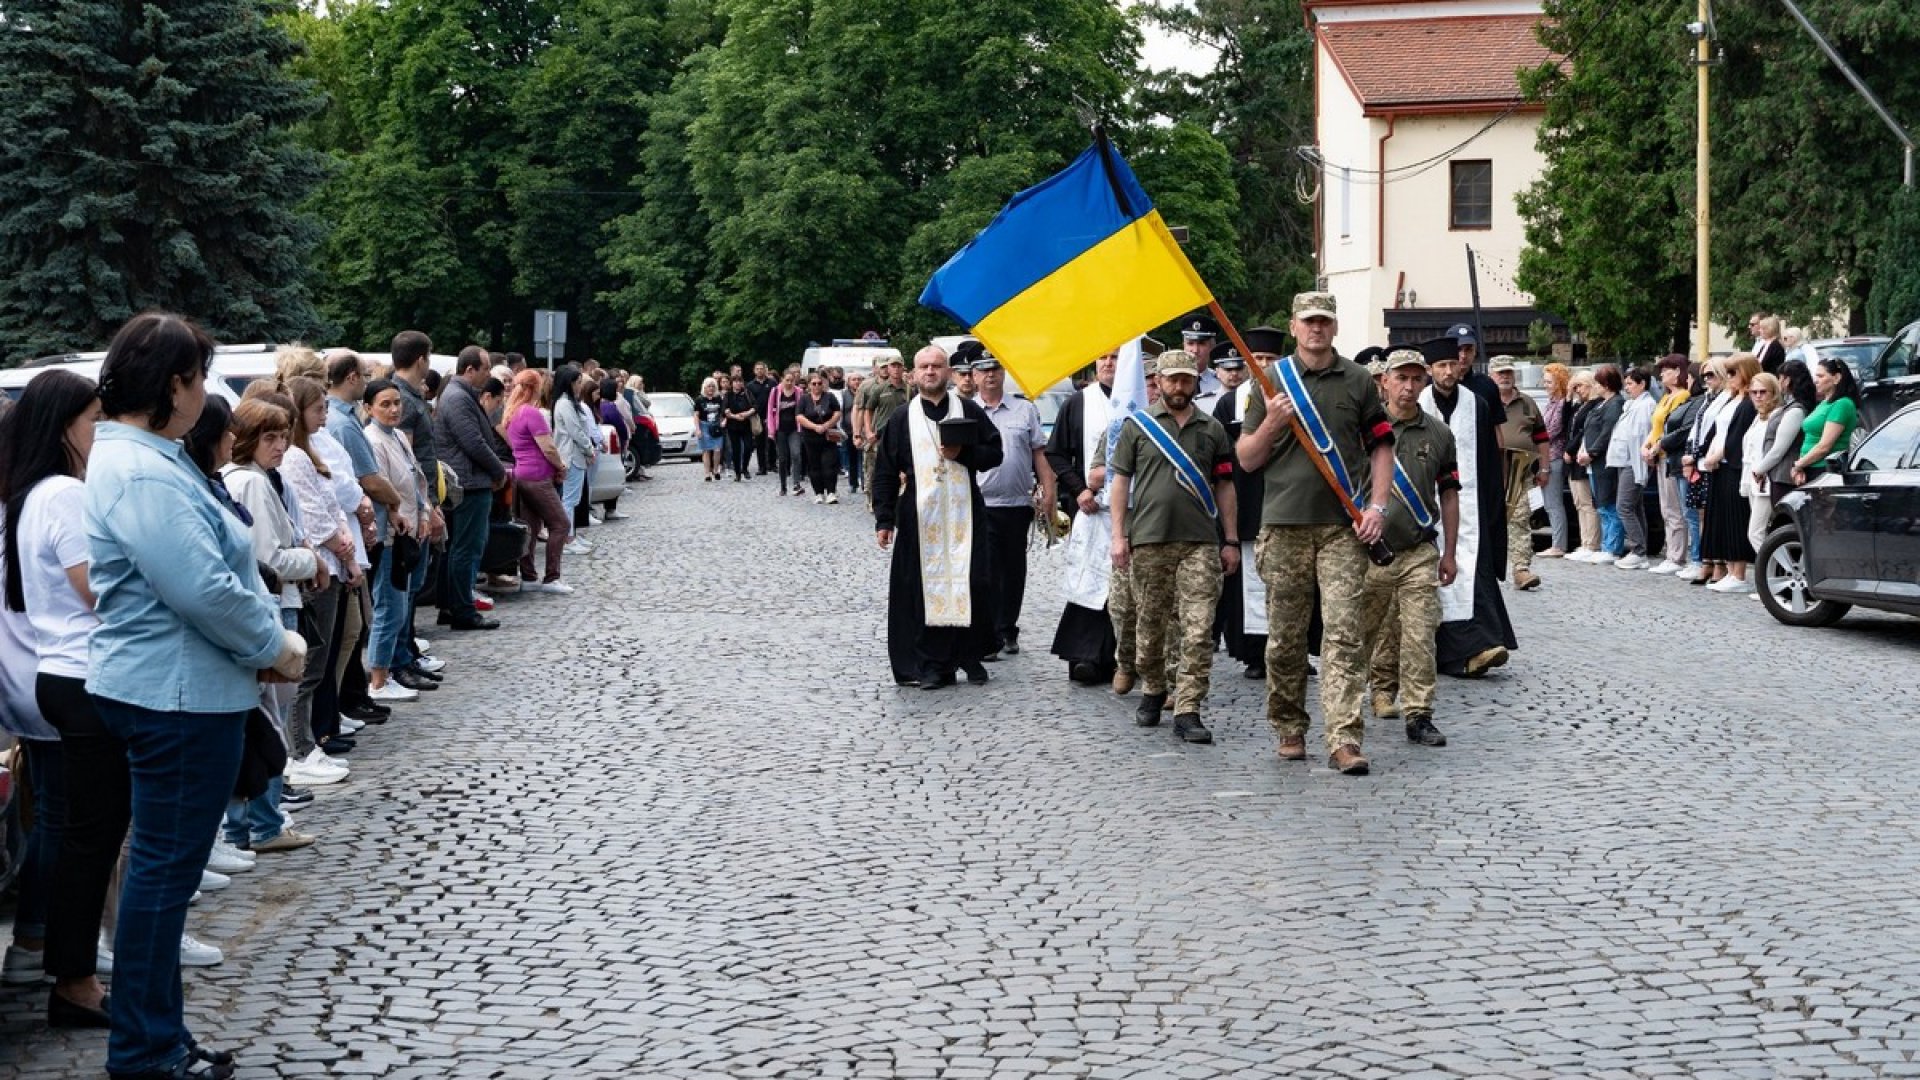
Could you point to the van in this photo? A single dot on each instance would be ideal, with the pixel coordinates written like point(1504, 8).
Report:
point(852, 355)
point(233, 367)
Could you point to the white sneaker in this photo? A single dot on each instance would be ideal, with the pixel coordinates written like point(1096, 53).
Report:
point(23, 967)
point(1631, 561)
point(228, 859)
point(1581, 555)
point(392, 691)
point(196, 953)
point(1731, 584)
point(212, 882)
point(818, 499)
point(421, 646)
point(349, 726)
point(1601, 558)
point(596, 517)
point(1664, 566)
point(833, 500)
point(1689, 572)
point(614, 515)
point(429, 664)
point(556, 587)
point(302, 776)
point(578, 547)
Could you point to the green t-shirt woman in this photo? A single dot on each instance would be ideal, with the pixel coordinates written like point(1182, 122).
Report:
point(1828, 430)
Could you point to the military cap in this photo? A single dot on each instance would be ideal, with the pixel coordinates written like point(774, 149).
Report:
point(964, 354)
point(1315, 305)
point(1462, 334)
point(1501, 363)
point(986, 361)
point(1226, 355)
point(1175, 362)
point(1403, 357)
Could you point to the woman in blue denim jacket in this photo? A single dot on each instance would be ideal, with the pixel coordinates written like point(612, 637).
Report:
point(186, 633)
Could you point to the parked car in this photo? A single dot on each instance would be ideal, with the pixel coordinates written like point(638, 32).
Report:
point(608, 477)
point(1893, 383)
point(1851, 537)
point(673, 415)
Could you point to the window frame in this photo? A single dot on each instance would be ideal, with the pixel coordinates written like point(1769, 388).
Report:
point(1454, 169)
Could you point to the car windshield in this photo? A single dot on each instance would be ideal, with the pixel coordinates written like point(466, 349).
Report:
point(1049, 406)
point(1859, 356)
point(672, 405)
point(1893, 445)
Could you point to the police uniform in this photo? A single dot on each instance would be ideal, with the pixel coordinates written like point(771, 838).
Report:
point(1306, 539)
point(1201, 328)
point(1400, 604)
point(1176, 557)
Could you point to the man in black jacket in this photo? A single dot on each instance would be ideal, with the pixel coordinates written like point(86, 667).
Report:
point(460, 430)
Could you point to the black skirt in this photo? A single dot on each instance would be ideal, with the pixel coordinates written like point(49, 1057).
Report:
point(1723, 526)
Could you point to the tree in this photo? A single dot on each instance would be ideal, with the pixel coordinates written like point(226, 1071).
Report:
point(1257, 101)
point(146, 162)
point(1896, 280)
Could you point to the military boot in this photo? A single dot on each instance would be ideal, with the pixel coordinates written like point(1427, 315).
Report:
point(1148, 714)
point(1420, 729)
point(1188, 728)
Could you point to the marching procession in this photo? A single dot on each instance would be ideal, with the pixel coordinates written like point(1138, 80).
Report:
point(1357, 513)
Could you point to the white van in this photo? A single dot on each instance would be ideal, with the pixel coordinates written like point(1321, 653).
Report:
point(234, 366)
point(853, 356)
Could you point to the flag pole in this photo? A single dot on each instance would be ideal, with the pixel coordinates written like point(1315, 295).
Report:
point(1378, 551)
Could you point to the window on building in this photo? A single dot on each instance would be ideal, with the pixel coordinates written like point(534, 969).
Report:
point(1471, 203)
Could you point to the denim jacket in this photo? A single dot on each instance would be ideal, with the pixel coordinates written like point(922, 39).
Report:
point(185, 621)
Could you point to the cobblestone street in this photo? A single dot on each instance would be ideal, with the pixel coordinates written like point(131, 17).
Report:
point(681, 824)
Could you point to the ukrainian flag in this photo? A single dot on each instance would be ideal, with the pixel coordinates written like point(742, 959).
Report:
point(1066, 271)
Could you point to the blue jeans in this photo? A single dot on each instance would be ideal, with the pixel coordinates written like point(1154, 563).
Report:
point(183, 766)
point(390, 607)
point(466, 539)
point(1556, 494)
point(572, 488)
point(256, 820)
point(1606, 488)
point(47, 771)
point(1693, 522)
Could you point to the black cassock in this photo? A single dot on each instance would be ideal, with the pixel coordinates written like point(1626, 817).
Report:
point(1462, 640)
point(1249, 490)
point(914, 648)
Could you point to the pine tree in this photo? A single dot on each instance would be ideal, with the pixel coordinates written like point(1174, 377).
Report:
point(145, 163)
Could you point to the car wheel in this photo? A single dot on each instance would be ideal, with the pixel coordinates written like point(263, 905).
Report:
point(1781, 565)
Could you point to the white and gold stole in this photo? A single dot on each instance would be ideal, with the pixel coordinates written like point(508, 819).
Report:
point(943, 504)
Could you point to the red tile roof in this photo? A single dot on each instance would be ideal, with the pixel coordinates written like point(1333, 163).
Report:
point(1435, 64)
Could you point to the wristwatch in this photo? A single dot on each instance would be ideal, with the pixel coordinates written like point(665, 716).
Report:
point(1377, 508)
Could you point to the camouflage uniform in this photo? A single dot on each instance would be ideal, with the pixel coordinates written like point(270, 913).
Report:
point(1176, 588)
point(1120, 610)
point(1400, 612)
point(1290, 558)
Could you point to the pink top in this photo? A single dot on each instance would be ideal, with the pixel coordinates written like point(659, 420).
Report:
point(529, 464)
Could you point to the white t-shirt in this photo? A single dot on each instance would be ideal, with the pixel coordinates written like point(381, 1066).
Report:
point(53, 538)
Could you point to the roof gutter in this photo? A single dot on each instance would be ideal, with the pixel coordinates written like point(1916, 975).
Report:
point(1380, 174)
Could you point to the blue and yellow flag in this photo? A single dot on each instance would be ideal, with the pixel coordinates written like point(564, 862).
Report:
point(1066, 271)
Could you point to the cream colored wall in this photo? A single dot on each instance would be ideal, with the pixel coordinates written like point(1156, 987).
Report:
point(1349, 139)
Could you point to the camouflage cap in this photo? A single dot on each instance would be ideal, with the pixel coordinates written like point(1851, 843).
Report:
point(1400, 358)
point(1501, 363)
point(1175, 362)
point(1150, 366)
point(1314, 305)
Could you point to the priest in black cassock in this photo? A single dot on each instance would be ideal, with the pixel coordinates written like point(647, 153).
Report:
point(1085, 637)
point(927, 507)
point(1475, 634)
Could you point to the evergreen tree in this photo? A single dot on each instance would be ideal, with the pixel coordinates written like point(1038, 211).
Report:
point(145, 162)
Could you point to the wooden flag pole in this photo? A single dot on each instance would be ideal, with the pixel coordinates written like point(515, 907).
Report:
point(1378, 551)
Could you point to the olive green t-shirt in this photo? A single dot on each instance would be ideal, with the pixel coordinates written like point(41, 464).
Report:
point(1424, 448)
point(1161, 511)
point(881, 398)
point(1348, 404)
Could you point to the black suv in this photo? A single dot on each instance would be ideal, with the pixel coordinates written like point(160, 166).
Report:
point(1851, 537)
point(1894, 382)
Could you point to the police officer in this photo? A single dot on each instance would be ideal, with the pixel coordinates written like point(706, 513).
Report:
point(1197, 335)
point(1400, 604)
point(1166, 531)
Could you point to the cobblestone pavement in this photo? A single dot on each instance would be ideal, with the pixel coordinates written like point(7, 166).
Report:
point(682, 824)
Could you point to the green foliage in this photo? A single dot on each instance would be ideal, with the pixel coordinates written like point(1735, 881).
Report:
point(1258, 103)
point(1895, 301)
point(1540, 337)
point(1801, 169)
point(145, 163)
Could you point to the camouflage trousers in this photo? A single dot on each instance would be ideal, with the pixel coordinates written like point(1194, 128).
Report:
point(1291, 559)
point(1400, 613)
point(1175, 589)
point(1121, 610)
point(868, 459)
point(1519, 510)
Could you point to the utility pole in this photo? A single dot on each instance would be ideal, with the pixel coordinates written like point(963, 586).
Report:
point(1859, 84)
point(1702, 31)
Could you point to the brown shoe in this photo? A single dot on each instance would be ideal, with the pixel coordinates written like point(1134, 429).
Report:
point(1349, 760)
point(1486, 660)
point(1385, 707)
point(1293, 748)
point(1123, 682)
point(1525, 579)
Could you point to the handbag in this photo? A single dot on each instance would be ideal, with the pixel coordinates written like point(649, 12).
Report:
point(403, 554)
point(759, 425)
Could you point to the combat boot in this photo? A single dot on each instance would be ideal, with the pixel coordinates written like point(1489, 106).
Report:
point(1148, 714)
point(1420, 729)
point(1123, 680)
point(1188, 728)
point(1384, 706)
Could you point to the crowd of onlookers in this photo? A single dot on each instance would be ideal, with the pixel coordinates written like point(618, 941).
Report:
point(807, 428)
point(1720, 442)
point(206, 605)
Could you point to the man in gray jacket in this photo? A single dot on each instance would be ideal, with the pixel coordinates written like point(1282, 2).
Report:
point(460, 434)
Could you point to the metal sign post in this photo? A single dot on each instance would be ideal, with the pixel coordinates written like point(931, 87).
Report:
point(550, 336)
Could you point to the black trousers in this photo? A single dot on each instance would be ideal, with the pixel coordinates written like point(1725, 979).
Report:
point(739, 451)
point(99, 809)
point(823, 464)
point(763, 449)
point(1007, 528)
